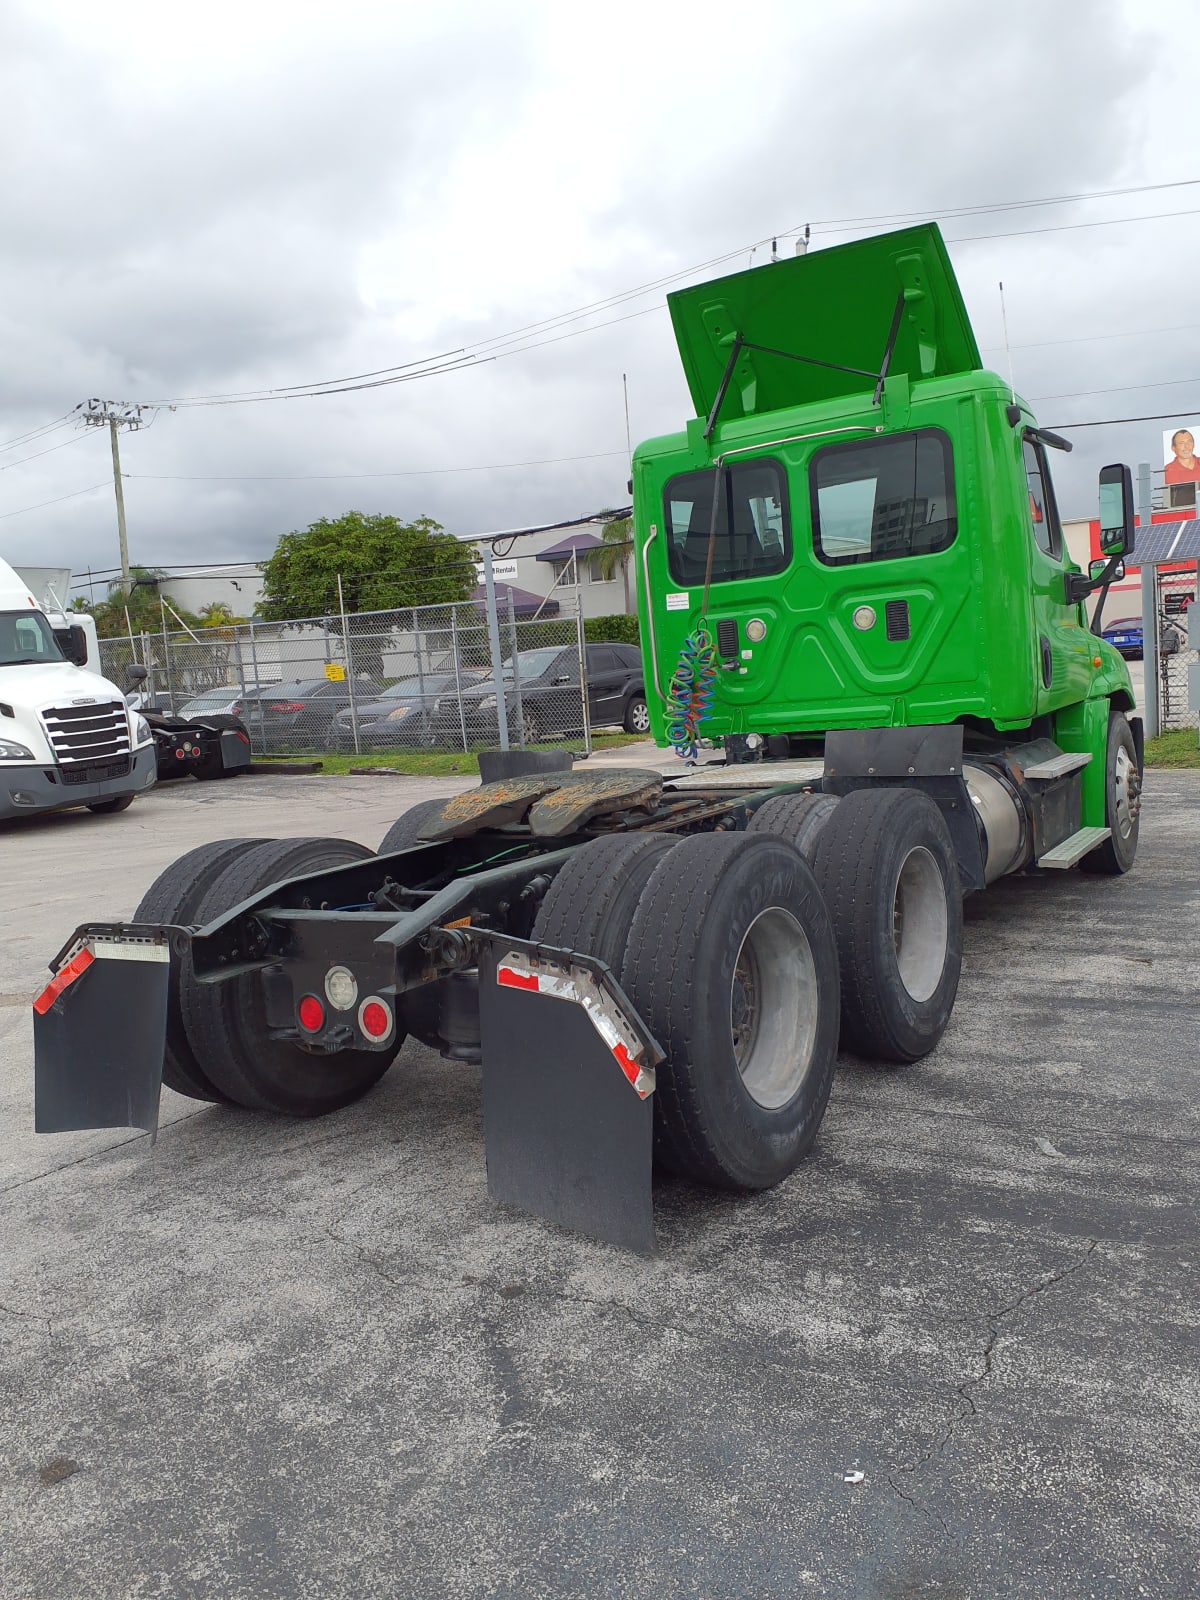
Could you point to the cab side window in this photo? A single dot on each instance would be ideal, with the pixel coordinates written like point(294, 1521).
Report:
point(1043, 510)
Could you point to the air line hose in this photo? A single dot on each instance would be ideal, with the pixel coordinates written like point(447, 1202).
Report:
point(692, 691)
point(694, 681)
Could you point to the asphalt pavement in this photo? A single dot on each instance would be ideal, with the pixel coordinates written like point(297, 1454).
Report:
point(955, 1355)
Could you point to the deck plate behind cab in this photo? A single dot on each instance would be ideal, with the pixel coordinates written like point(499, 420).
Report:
point(556, 803)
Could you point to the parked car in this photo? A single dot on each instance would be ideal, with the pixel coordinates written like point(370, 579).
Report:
point(226, 701)
point(299, 716)
point(402, 715)
point(551, 704)
point(1126, 636)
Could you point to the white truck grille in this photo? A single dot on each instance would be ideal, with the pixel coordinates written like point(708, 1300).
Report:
point(88, 732)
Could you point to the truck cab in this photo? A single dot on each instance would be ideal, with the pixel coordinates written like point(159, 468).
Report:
point(885, 549)
point(67, 737)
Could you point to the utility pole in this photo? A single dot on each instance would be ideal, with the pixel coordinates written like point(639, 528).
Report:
point(117, 414)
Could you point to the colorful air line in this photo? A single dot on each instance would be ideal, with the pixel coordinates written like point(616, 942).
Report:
point(693, 688)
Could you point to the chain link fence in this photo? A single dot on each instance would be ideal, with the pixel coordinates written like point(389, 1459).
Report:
point(448, 677)
point(1178, 643)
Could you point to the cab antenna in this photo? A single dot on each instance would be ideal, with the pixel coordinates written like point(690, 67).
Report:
point(1012, 390)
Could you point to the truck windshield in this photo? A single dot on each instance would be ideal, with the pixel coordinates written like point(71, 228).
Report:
point(753, 536)
point(26, 639)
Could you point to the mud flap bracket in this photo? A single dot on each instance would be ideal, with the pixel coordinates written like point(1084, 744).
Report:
point(99, 1030)
point(568, 1081)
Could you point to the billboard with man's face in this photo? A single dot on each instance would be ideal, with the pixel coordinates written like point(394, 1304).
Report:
point(1181, 465)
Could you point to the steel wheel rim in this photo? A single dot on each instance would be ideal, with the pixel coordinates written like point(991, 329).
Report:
point(920, 923)
point(774, 1008)
point(640, 717)
point(1125, 793)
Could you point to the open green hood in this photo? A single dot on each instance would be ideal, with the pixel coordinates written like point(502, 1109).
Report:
point(833, 306)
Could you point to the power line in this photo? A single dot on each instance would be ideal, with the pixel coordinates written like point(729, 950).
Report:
point(73, 495)
point(1069, 227)
point(841, 224)
point(315, 477)
point(1092, 338)
point(41, 431)
point(472, 355)
point(21, 460)
point(1112, 422)
point(1122, 388)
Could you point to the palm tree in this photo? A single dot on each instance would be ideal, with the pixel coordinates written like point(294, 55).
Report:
point(611, 555)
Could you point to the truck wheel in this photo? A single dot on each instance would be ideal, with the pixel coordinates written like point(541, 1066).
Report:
point(887, 869)
point(637, 715)
point(105, 808)
point(405, 830)
point(1122, 802)
point(590, 905)
point(798, 818)
point(174, 897)
point(732, 963)
point(226, 1022)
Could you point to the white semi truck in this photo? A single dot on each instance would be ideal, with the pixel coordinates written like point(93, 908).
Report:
point(67, 737)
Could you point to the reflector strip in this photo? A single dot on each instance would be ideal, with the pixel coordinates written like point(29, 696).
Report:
point(63, 979)
point(626, 1063)
point(508, 979)
point(580, 986)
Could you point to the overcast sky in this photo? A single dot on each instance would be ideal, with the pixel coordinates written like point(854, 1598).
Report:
point(200, 200)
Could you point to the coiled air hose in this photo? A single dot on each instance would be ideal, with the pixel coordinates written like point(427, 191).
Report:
point(692, 691)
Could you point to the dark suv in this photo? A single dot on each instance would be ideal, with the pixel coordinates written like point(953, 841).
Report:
point(550, 701)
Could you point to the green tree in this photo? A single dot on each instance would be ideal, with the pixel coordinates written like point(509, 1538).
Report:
point(611, 555)
point(218, 614)
point(384, 564)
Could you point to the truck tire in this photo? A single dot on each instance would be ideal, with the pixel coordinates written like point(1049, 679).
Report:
point(226, 1022)
point(211, 766)
point(731, 962)
point(404, 831)
point(106, 808)
point(798, 818)
point(887, 869)
point(1122, 802)
point(590, 905)
point(174, 897)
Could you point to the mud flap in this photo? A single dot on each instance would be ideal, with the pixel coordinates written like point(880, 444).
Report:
point(235, 750)
point(568, 1075)
point(99, 1031)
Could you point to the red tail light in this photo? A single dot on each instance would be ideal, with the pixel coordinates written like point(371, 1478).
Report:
point(311, 1013)
point(287, 705)
point(375, 1018)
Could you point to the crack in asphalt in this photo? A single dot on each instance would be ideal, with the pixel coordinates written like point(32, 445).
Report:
point(30, 1316)
point(94, 1155)
point(966, 1410)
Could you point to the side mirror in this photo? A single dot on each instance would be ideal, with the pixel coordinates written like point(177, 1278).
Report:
point(1096, 571)
point(1116, 510)
point(77, 645)
point(135, 674)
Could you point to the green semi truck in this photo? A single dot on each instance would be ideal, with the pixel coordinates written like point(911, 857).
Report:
point(867, 641)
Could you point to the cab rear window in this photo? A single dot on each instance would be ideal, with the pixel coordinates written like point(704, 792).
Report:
point(753, 533)
point(883, 499)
